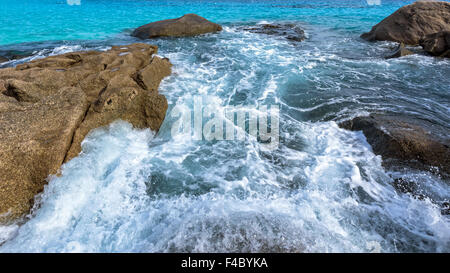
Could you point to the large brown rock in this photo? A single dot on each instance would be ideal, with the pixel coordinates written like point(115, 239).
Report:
point(437, 44)
point(411, 22)
point(413, 142)
point(187, 25)
point(49, 105)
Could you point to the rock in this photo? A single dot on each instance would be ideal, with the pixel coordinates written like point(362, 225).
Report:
point(3, 59)
point(400, 52)
point(187, 25)
point(412, 142)
point(437, 44)
point(445, 208)
point(289, 31)
point(9, 55)
point(402, 185)
point(48, 106)
point(414, 189)
point(411, 22)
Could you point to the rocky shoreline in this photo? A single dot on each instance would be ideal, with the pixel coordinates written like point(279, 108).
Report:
point(420, 23)
point(48, 106)
point(402, 140)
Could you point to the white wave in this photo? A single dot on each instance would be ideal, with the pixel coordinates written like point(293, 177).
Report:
point(7, 232)
point(120, 195)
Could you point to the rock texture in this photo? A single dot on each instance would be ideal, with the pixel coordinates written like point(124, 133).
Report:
point(289, 31)
point(187, 25)
point(437, 44)
point(411, 22)
point(411, 141)
point(49, 105)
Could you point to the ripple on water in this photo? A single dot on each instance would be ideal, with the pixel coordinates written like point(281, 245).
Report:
point(322, 190)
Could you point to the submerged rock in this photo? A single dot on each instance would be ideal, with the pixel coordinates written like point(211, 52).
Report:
point(402, 185)
point(400, 51)
point(3, 59)
point(415, 190)
point(48, 106)
point(187, 25)
point(437, 44)
point(409, 140)
point(289, 31)
point(10, 55)
point(411, 22)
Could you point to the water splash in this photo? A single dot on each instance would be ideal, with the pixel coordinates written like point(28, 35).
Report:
point(322, 190)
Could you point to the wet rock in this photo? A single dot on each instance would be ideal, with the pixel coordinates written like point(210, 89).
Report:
point(3, 59)
point(400, 51)
point(13, 55)
point(411, 22)
point(445, 208)
point(437, 44)
point(409, 141)
point(413, 189)
point(187, 25)
point(404, 186)
point(48, 106)
point(289, 31)
point(19, 56)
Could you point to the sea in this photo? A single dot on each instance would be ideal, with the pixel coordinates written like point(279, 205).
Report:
point(321, 190)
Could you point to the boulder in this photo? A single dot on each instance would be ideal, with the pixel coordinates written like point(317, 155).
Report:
point(289, 31)
point(400, 51)
point(412, 142)
point(48, 106)
point(411, 22)
point(187, 25)
point(437, 44)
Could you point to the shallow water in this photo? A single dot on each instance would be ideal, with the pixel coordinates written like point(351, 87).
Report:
point(322, 190)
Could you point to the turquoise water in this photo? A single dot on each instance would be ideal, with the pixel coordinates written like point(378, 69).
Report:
point(44, 20)
point(322, 190)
